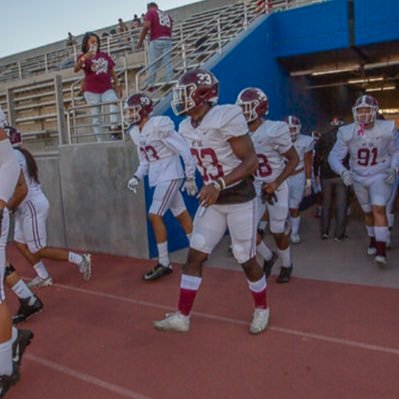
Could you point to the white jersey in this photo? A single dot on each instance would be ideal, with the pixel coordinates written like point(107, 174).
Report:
point(34, 189)
point(209, 141)
point(271, 140)
point(158, 147)
point(303, 144)
point(370, 153)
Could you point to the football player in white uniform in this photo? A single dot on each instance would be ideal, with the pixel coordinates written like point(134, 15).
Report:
point(30, 233)
point(158, 147)
point(218, 139)
point(12, 341)
point(273, 146)
point(300, 182)
point(373, 146)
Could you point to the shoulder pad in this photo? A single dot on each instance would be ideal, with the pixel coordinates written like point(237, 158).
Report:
point(162, 126)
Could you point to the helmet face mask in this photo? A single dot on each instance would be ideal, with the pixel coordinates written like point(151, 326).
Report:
point(14, 136)
point(194, 88)
point(295, 126)
point(136, 108)
point(365, 110)
point(254, 103)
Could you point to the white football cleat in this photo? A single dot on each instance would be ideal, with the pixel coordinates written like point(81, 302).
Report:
point(371, 251)
point(39, 282)
point(85, 266)
point(295, 239)
point(173, 322)
point(260, 320)
point(381, 260)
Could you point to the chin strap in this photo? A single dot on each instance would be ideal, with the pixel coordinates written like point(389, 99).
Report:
point(361, 129)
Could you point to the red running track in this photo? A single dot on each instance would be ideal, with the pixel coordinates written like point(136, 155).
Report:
point(95, 340)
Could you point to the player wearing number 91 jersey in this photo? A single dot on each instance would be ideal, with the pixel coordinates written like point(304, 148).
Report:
point(218, 139)
point(273, 146)
point(373, 146)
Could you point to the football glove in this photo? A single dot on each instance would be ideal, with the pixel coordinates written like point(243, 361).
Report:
point(190, 187)
point(132, 184)
point(346, 177)
point(392, 174)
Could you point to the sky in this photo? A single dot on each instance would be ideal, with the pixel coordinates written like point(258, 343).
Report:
point(27, 24)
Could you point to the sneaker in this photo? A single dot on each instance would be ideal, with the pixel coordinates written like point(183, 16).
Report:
point(268, 264)
point(7, 381)
point(285, 275)
point(85, 266)
point(24, 338)
point(260, 320)
point(173, 322)
point(295, 239)
point(39, 282)
point(380, 260)
point(157, 272)
point(371, 251)
point(27, 309)
point(324, 236)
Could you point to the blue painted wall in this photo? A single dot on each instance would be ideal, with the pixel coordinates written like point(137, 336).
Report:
point(376, 21)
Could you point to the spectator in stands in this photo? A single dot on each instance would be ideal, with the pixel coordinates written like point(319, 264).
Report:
point(122, 27)
point(71, 41)
point(159, 24)
point(331, 184)
point(101, 83)
point(136, 22)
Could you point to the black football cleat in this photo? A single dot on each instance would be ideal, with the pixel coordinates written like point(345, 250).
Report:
point(7, 381)
point(268, 264)
point(157, 272)
point(24, 338)
point(285, 275)
point(27, 310)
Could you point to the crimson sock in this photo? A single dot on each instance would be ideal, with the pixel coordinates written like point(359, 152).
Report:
point(258, 291)
point(189, 286)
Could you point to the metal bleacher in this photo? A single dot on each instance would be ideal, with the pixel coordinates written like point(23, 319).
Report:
point(45, 103)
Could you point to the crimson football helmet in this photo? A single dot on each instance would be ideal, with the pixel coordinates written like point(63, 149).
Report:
point(295, 125)
point(137, 106)
point(336, 121)
point(14, 136)
point(253, 102)
point(365, 110)
point(193, 89)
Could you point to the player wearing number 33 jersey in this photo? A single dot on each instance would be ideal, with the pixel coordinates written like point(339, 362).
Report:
point(218, 139)
point(158, 147)
point(373, 146)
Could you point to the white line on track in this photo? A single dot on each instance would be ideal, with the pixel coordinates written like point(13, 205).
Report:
point(302, 334)
point(85, 377)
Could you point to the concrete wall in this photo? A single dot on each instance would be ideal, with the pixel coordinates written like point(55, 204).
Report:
point(91, 208)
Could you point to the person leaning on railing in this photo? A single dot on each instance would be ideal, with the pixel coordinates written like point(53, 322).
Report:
point(101, 83)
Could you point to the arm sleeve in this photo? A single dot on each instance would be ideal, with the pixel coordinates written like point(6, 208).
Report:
point(143, 167)
point(337, 154)
point(394, 150)
point(178, 145)
point(9, 170)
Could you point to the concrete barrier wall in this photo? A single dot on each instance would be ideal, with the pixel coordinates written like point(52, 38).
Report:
point(91, 208)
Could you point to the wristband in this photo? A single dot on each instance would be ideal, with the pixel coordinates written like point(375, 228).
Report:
point(221, 183)
point(308, 182)
point(217, 185)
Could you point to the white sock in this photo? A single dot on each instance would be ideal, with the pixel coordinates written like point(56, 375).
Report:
point(75, 258)
point(370, 231)
point(41, 270)
point(163, 257)
point(264, 251)
point(295, 224)
point(285, 256)
point(188, 282)
point(6, 357)
point(257, 286)
point(381, 233)
point(21, 290)
point(262, 225)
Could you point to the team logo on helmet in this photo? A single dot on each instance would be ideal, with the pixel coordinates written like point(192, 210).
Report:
point(253, 102)
point(137, 106)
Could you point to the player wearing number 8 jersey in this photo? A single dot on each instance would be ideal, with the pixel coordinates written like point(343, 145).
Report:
point(158, 147)
point(373, 146)
point(217, 136)
point(273, 145)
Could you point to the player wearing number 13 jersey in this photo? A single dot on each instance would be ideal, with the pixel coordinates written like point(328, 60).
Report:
point(218, 139)
point(158, 147)
point(273, 146)
point(373, 146)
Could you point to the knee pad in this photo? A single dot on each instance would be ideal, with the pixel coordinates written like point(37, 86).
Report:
point(240, 254)
point(9, 270)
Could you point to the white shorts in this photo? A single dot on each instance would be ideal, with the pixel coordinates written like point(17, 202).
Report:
point(5, 224)
point(30, 223)
point(240, 219)
point(278, 212)
point(167, 195)
point(372, 191)
point(296, 186)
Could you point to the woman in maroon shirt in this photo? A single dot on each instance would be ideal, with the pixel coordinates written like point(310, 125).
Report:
point(100, 76)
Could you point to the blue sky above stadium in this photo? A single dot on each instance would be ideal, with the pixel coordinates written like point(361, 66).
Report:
point(27, 24)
